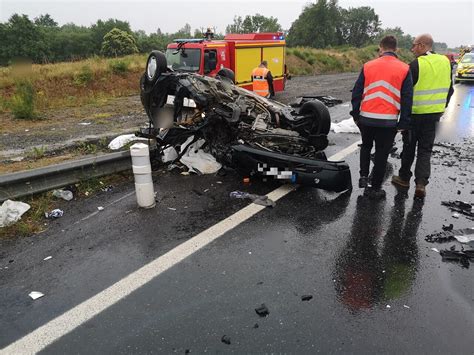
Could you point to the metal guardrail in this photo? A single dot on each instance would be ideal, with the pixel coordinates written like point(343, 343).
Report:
point(30, 182)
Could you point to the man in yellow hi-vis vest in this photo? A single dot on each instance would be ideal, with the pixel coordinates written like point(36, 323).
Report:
point(262, 81)
point(432, 90)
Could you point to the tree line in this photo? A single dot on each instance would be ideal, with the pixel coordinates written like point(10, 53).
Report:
point(320, 25)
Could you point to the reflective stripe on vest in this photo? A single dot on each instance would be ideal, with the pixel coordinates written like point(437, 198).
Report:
point(384, 78)
point(260, 84)
point(434, 79)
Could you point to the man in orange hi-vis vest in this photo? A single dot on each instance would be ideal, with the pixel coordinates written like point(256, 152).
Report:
point(262, 80)
point(382, 99)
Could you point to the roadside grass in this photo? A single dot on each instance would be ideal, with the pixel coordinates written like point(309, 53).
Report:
point(311, 61)
point(90, 81)
point(34, 220)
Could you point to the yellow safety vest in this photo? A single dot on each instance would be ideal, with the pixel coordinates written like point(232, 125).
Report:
point(434, 79)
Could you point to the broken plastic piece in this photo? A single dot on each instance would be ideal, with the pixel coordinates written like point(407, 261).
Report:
point(64, 194)
point(120, 141)
point(225, 339)
point(435, 250)
point(460, 207)
point(406, 306)
point(100, 208)
point(11, 212)
point(35, 295)
point(47, 258)
point(306, 297)
point(456, 215)
point(448, 227)
point(457, 256)
point(262, 311)
point(346, 126)
point(56, 213)
point(261, 200)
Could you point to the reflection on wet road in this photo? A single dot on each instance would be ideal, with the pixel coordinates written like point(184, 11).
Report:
point(458, 119)
point(366, 275)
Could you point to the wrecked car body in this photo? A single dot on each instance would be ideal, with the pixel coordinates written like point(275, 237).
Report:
point(242, 130)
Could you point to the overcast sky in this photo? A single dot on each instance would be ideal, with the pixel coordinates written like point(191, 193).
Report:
point(449, 21)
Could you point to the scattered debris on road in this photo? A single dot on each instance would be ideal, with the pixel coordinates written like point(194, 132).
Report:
point(11, 212)
point(64, 194)
point(464, 208)
point(47, 258)
point(56, 213)
point(448, 227)
point(306, 297)
point(346, 126)
point(464, 235)
point(100, 208)
point(262, 311)
point(461, 256)
point(261, 200)
point(225, 339)
point(35, 295)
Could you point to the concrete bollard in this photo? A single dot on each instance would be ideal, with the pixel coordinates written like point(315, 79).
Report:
point(142, 170)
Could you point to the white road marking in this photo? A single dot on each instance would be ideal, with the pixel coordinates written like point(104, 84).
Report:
point(48, 333)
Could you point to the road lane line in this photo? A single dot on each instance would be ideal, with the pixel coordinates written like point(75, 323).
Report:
point(48, 333)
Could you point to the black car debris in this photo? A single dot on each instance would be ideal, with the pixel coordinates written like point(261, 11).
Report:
point(242, 130)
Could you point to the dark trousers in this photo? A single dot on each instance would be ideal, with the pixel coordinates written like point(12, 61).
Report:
point(383, 138)
point(422, 135)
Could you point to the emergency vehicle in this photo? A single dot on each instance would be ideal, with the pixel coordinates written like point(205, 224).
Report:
point(239, 52)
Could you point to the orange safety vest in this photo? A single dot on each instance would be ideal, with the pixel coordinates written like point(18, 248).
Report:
point(259, 79)
point(384, 78)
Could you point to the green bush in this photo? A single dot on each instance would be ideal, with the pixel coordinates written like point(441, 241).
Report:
point(22, 103)
point(84, 77)
point(119, 67)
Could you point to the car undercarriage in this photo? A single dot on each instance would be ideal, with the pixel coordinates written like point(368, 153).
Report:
point(242, 130)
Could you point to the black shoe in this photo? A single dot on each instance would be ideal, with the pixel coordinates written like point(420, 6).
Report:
point(363, 182)
point(374, 193)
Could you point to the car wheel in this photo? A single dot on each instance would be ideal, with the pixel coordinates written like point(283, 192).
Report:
point(155, 66)
point(320, 114)
point(226, 73)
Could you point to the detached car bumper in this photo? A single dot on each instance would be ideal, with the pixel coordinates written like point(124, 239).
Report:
point(322, 174)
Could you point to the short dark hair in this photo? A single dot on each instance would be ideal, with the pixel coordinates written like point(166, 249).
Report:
point(388, 42)
point(264, 62)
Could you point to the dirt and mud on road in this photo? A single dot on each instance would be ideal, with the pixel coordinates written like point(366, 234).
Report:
point(70, 127)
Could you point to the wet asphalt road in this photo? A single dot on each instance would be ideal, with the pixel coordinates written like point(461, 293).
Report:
point(377, 286)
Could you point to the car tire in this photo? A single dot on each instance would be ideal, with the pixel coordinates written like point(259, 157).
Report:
point(320, 114)
point(161, 66)
point(226, 73)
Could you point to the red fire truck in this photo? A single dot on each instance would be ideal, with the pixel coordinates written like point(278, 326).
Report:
point(239, 52)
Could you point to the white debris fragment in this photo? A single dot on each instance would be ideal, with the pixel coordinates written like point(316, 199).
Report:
point(466, 238)
point(120, 141)
point(84, 123)
point(48, 258)
point(169, 154)
point(11, 212)
point(434, 249)
point(196, 159)
point(64, 194)
point(35, 295)
point(456, 215)
point(172, 208)
point(100, 208)
point(346, 126)
point(206, 190)
point(406, 306)
point(218, 182)
point(388, 306)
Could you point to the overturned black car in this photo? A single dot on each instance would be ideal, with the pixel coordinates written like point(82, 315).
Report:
point(242, 130)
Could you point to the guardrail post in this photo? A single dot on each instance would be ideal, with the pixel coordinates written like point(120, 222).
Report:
point(142, 171)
